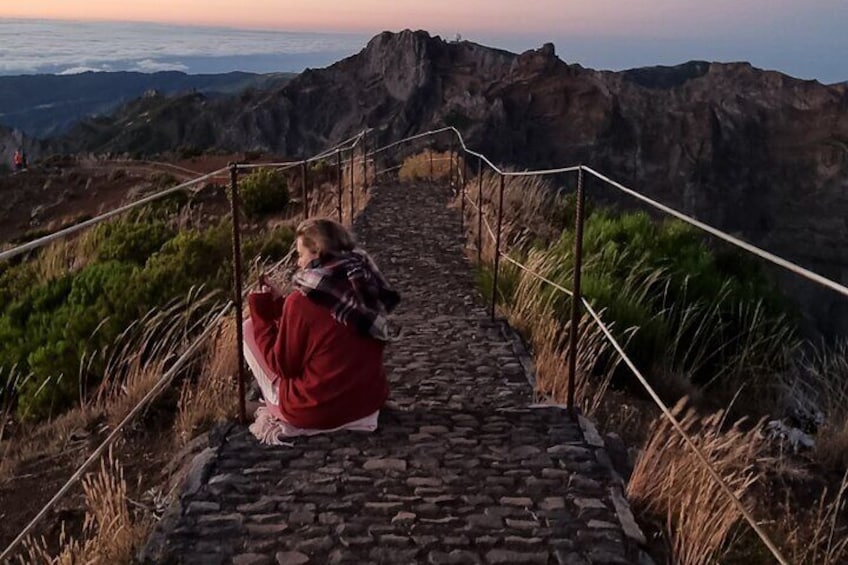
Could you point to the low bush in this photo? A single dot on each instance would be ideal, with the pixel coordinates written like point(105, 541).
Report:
point(51, 328)
point(264, 191)
point(273, 244)
point(418, 167)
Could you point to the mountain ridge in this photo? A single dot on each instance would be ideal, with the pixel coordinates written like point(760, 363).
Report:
point(753, 152)
point(45, 105)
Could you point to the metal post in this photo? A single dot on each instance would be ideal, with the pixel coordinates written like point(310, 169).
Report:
point(237, 273)
point(431, 166)
point(365, 160)
point(462, 200)
point(450, 166)
point(498, 246)
point(352, 206)
point(304, 195)
point(339, 171)
point(464, 168)
point(576, 299)
point(480, 212)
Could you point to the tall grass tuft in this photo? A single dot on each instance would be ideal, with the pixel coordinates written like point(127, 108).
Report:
point(819, 535)
point(819, 394)
point(532, 309)
point(417, 167)
point(110, 533)
point(213, 395)
point(145, 350)
point(669, 480)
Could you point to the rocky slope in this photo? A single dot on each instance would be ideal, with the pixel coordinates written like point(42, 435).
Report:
point(48, 105)
point(12, 140)
point(754, 152)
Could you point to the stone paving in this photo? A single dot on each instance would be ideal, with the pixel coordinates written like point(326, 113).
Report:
point(462, 469)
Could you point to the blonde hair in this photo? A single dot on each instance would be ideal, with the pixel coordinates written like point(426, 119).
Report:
point(324, 237)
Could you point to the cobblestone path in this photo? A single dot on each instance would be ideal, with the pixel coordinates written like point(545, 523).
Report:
point(461, 470)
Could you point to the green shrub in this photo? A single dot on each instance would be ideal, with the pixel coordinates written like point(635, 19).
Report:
point(272, 245)
point(698, 311)
point(264, 191)
point(48, 329)
point(189, 151)
point(191, 258)
point(134, 241)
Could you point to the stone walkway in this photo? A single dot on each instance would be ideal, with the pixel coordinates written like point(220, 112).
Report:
point(462, 469)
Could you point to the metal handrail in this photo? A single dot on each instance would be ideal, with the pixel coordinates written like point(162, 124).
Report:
point(655, 397)
point(151, 394)
point(793, 267)
point(42, 241)
point(750, 248)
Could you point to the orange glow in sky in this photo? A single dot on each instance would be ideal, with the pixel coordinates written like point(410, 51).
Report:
point(329, 15)
point(805, 38)
point(498, 16)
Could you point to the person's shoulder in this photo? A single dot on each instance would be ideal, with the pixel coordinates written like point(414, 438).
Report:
point(297, 301)
point(296, 298)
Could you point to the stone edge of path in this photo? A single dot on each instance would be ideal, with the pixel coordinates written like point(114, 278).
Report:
point(188, 475)
point(591, 437)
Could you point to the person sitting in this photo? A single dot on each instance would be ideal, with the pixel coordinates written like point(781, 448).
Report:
point(317, 353)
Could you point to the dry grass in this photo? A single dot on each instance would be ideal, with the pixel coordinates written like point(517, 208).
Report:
point(824, 377)
point(213, 395)
point(817, 537)
point(418, 167)
point(670, 481)
point(532, 311)
point(67, 255)
point(526, 200)
point(147, 349)
point(43, 441)
point(324, 198)
point(110, 532)
point(535, 305)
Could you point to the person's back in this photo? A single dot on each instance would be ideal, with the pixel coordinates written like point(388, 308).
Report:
point(333, 374)
point(322, 345)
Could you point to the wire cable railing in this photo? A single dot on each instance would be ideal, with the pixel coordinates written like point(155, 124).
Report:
point(360, 140)
point(61, 234)
point(154, 392)
point(348, 145)
point(666, 411)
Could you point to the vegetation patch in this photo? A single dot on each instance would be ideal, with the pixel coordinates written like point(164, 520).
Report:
point(263, 192)
point(78, 298)
point(711, 333)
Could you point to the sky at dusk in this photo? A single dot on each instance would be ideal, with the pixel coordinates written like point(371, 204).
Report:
point(805, 39)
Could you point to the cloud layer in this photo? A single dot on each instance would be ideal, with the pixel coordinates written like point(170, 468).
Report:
point(35, 46)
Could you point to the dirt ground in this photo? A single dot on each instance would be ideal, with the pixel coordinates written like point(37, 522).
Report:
point(38, 201)
point(143, 451)
point(60, 192)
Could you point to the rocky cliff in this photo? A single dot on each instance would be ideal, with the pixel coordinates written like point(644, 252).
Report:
point(11, 140)
point(47, 105)
point(755, 152)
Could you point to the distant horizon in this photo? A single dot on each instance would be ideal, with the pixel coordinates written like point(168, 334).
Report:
point(144, 47)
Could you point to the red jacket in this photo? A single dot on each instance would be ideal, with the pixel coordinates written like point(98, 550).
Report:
point(331, 375)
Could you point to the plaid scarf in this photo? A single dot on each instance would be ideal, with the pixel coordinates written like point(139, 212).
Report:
point(351, 286)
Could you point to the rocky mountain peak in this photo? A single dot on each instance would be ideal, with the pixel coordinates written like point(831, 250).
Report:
point(538, 61)
point(402, 60)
